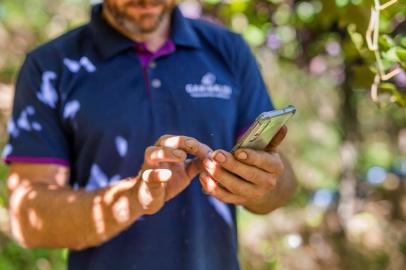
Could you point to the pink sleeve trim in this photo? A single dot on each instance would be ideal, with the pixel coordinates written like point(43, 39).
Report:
point(38, 160)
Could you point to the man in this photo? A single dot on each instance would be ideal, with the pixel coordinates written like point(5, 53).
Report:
point(89, 103)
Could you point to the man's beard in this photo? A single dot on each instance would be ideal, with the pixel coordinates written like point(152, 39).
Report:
point(136, 25)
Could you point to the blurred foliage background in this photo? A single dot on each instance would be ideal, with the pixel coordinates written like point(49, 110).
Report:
point(342, 68)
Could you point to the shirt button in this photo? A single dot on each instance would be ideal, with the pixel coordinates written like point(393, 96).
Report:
point(152, 64)
point(156, 83)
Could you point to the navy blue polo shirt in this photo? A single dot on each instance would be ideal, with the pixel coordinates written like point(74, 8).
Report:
point(85, 100)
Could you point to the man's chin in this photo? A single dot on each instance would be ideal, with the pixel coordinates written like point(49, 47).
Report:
point(147, 29)
point(145, 26)
point(148, 25)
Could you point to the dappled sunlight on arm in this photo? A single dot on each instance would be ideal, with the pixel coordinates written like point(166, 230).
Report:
point(13, 181)
point(121, 209)
point(46, 212)
point(120, 204)
point(32, 195)
point(71, 198)
point(115, 189)
point(98, 217)
point(15, 201)
point(34, 220)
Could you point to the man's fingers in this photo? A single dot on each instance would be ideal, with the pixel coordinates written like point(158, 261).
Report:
point(156, 178)
point(188, 144)
point(193, 167)
point(157, 154)
point(230, 181)
point(277, 139)
point(211, 187)
point(270, 162)
point(250, 173)
point(152, 189)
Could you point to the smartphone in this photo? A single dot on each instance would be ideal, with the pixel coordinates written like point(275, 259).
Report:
point(265, 127)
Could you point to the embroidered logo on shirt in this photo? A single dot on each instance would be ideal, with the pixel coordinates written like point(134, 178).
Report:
point(74, 66)
point(208, 88)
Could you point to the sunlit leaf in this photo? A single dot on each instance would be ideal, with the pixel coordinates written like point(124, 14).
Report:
point(386, 42)
point(356, 37)
point(391, 55)
point(401, 54)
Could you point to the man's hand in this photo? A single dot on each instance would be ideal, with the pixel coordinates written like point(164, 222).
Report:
point(248, 177)
point(166, 172)
point(38, 192)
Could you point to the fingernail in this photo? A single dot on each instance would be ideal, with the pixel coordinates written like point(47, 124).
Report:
point(145, 174)
point(164, 175)
point(220, 157)
point(178, 153)
point(242, 155)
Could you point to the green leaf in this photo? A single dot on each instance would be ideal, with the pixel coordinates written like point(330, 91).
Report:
point(396, 95)
point(386, 42)
point(401, 54)
point(387, 87)
point(356, 37)
point(403, 42)
point(391, 55)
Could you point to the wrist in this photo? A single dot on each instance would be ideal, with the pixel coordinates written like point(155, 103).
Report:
point(263, 206)
point(272, 200)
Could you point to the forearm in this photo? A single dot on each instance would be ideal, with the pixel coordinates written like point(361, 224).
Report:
point(284, 189)
point(50, 216)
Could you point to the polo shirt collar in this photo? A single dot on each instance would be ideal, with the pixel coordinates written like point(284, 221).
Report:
point(107, 39)
point(182, 33)
point(110, 42)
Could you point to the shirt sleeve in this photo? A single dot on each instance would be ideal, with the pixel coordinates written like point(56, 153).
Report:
point(34, 128)
point(254, 98)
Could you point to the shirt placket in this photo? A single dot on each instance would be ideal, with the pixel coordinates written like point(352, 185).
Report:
point(148, 62)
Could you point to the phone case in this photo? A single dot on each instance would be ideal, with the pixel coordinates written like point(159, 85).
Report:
point(261, 132)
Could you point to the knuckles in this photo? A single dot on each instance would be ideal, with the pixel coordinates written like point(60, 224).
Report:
point(148, 152)
point(253, 174)
point(163, 138)
point(231, 163)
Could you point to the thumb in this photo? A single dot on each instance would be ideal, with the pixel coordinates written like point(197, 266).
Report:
point(277, 139)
